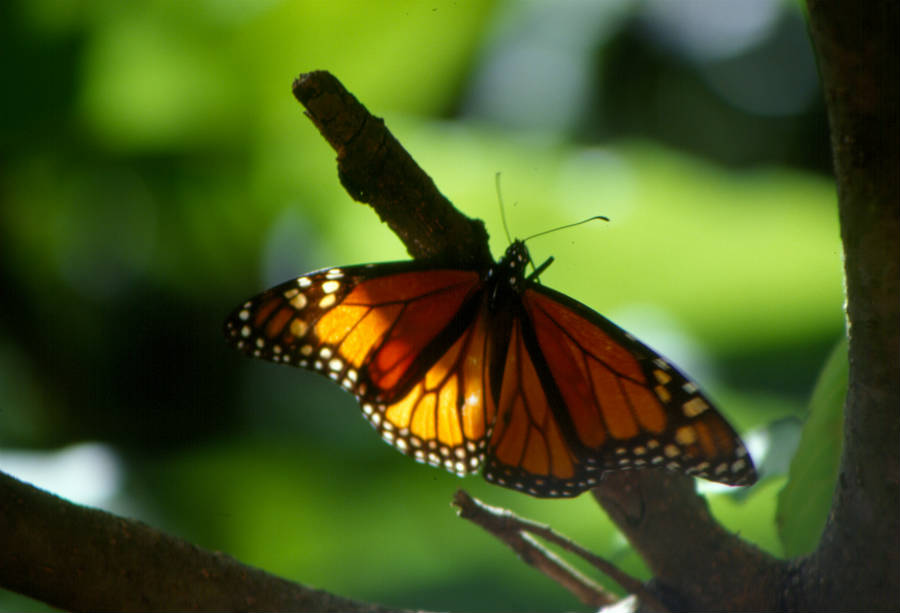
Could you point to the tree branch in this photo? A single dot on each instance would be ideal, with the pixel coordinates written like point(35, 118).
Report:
point(82, 559)
point(687, 550)
point(856, 44)
point(374, 168)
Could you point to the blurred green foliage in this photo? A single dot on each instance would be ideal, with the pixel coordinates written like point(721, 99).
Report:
point(156, 171)
point(803, 505)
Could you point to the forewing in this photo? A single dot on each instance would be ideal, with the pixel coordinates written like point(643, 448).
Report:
point(406, 340)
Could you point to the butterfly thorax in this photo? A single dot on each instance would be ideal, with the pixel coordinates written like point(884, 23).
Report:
point(509, 272)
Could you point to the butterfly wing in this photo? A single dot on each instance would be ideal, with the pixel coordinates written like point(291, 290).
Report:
point(407, 340)
point(455, 368)
point(620, 405)
point(528, 449)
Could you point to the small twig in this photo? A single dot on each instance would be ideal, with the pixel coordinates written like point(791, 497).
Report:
point(503, 525)
point(511, 529)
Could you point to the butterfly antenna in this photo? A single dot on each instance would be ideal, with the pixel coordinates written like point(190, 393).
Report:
point(568, 225)
point(502, 208)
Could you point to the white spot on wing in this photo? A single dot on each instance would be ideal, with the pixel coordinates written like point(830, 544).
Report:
point(299, 328)
point(299, 301)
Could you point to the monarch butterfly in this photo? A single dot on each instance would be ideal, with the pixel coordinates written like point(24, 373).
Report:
point(471, 369)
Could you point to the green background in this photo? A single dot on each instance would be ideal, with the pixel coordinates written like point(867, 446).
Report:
point(156, 171)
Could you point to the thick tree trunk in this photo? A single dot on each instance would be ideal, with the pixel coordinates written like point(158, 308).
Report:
point(857, 563)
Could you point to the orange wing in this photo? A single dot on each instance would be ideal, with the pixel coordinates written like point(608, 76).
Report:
point(528, 450)
point(409, 342)
point(617, 403)
point(458, 367)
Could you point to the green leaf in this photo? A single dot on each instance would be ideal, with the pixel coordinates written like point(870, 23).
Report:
point(804, 502)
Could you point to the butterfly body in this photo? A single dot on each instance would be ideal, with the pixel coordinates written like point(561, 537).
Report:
point(488, 369)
